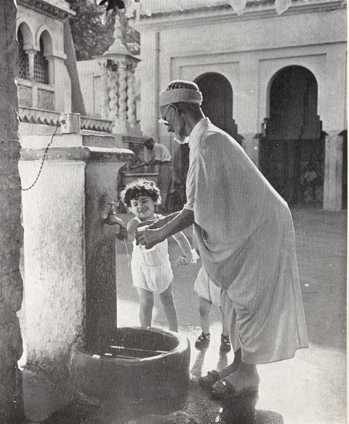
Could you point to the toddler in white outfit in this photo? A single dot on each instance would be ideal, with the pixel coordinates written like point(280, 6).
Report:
point(210, 294)
point(151, 268)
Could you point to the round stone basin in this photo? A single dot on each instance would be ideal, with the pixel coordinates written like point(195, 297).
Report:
point(138, 365)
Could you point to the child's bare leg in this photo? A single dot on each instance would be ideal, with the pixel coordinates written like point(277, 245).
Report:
point(146, 303)
point(225, 323)
point(204, 312)
point(166, 298)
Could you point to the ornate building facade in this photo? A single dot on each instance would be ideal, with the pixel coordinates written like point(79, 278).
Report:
point(274, 81)
point(43, 80)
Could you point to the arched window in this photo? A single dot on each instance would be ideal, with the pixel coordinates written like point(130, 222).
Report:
point(41, 65)
point(22, 58)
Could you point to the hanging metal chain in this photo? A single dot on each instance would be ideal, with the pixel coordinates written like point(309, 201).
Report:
point(42, 160)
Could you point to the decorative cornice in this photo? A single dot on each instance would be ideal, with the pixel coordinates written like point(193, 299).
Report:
point(38, 116)
point(48, 117)
point(81, 153)
point(44, 7)
point(217, 14)
point(96, 124)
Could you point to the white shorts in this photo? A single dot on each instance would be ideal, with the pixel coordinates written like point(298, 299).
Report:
point(155, 279)
point(206, 289)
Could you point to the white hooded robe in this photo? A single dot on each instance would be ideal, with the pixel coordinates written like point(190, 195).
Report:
point(246, 239)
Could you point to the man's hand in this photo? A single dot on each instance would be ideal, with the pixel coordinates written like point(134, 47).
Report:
point(148, 237)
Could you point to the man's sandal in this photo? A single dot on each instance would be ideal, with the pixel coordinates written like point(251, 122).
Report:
point(223, 389)
point(209, 380)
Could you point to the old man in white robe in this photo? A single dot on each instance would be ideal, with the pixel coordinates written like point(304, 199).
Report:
point(246, 239)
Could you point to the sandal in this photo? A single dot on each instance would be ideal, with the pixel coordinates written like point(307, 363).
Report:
point(209, 380)
point(202, 341)
point(225, 346)
point(223, 389)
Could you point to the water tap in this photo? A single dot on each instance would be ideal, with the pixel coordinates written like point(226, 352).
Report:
point(113, 219)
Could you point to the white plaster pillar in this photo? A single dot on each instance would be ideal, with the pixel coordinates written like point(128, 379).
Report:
point(332, 113)
point(54, 268)
point(246, 113)
point(333, 171)
point(53, 254)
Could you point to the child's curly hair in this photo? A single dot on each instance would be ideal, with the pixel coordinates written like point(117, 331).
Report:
point(138, 188)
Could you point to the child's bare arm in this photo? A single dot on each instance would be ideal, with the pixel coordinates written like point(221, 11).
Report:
point(132, 226)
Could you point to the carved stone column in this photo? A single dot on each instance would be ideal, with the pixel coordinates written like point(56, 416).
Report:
point(131, 105)
point(133, 127)
point(31, 55)
point(122, 96)
point(119, 66)
point(113, 95)
point(10, 210)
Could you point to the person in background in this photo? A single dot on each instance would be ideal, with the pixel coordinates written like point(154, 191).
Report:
point(158, 157)
point(246, 240)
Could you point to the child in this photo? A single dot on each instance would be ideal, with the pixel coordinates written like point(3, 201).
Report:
point(151, 268)
point(210, 294)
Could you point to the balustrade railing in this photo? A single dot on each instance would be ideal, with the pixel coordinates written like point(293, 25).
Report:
point(48, 117)
point(38, 116)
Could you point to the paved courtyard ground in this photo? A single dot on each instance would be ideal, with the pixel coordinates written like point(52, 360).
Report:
point(310, 389)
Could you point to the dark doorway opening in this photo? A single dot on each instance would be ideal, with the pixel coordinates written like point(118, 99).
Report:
point(218, 101)
point(292, 148)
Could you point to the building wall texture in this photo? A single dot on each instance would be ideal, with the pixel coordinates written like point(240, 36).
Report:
point(10, 207)
point(249, 51)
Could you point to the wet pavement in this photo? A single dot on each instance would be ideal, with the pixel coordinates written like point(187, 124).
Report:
point(309, 389)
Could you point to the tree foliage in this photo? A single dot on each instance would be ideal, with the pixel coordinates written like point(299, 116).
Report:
point(92, 30)
point(92, 36)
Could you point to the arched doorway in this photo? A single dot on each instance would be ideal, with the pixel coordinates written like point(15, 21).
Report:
point(218, 101)
point(292, 147)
